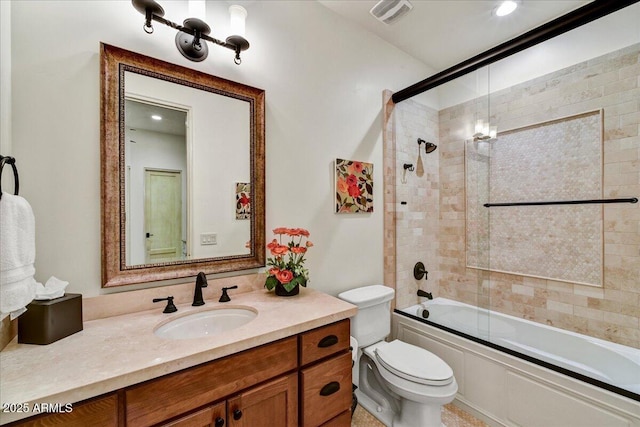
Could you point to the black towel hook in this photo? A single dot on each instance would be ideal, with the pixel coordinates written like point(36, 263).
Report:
point(11, 161)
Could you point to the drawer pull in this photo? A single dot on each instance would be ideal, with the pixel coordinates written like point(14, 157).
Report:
point(330, 388)
point(219, 422)
point(328, 341)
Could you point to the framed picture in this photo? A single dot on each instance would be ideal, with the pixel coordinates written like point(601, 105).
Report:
point(243, 200)
point(354, 186)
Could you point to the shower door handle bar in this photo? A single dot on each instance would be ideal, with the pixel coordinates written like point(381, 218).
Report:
point(563, 202)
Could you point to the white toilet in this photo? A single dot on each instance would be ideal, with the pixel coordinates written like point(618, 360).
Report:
point(400, 384)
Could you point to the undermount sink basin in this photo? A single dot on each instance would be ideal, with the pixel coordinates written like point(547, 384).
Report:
point(206, 323)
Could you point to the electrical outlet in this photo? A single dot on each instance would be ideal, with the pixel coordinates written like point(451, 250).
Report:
point(208, 239)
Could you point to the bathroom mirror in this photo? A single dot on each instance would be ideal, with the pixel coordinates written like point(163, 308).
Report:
point(182, 157)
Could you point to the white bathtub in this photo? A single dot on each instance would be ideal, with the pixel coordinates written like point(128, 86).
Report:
point(607, 363)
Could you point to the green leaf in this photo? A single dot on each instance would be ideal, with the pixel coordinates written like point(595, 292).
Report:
point(271, 282)
point(289, 286)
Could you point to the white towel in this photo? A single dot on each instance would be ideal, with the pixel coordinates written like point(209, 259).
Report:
point(17, 253)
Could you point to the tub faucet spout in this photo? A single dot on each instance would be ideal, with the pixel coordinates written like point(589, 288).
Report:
point(424, 294)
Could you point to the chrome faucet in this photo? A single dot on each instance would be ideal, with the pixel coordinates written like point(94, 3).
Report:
point(201, 282)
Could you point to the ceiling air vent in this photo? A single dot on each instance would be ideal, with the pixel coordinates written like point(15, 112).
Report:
point(389, 11)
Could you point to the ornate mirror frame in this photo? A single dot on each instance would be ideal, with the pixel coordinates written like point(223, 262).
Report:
point(114, 62)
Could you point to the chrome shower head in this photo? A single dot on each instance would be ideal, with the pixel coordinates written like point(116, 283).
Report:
point(429, 147)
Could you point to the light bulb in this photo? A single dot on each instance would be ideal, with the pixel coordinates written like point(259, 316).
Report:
point(238, 15)
point(197, 9)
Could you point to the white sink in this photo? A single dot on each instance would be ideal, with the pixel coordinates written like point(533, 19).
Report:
point(206, 323)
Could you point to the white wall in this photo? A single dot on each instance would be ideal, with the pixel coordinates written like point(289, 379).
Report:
point(5, 80)
point(607, 34)
point(323, 80)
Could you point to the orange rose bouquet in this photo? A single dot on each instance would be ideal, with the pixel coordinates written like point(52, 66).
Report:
point(287, 262)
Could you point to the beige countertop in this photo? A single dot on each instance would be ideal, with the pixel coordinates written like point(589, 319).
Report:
point(116, 352)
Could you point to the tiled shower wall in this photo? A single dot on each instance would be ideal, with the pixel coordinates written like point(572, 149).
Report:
point(417, 199)
point(558, 160)
point(611, 312)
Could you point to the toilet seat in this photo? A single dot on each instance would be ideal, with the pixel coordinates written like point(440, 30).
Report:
point(413, 363)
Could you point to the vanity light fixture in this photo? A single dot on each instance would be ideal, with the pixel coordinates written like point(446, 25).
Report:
point(192, 32)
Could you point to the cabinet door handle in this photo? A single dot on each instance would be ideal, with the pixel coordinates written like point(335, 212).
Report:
point(330, 388)
point(219, 422)
point(237, 414)
point(328, 341)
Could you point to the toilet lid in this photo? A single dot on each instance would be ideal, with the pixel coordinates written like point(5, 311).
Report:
point(414, 363)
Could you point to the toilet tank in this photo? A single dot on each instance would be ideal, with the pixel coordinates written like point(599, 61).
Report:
point(373, 321)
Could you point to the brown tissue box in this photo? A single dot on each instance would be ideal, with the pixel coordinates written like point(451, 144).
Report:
point(47, 321)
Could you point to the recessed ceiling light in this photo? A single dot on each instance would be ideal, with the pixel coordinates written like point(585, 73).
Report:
point(506, 7)
point(156, 117)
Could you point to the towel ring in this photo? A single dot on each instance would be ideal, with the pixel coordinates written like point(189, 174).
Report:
point(11, 161)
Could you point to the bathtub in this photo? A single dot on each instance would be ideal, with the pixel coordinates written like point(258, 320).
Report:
point(500, 357)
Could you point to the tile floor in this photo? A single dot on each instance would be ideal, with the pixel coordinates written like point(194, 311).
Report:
point(452, 416)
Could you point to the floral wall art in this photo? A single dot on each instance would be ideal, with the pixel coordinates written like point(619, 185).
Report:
point(354, 186)
point(243, 200)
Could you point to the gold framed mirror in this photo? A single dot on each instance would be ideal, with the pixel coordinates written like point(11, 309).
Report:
point(182, 168)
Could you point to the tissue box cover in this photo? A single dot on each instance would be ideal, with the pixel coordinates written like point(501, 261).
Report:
point(47, 321)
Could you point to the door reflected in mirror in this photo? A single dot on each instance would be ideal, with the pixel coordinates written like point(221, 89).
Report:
point(155, 183)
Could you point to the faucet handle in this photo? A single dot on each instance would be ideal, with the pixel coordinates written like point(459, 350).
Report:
point(225, 297)
point(419, 271)
point(170, 308)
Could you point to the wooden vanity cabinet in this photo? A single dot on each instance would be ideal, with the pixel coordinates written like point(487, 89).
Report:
point(271, 404)
point(303, 380)
point(172, 395)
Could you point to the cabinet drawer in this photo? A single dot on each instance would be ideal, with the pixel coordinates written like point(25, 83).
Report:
point(326, 390)
point(324, 341)
point(174, 394)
